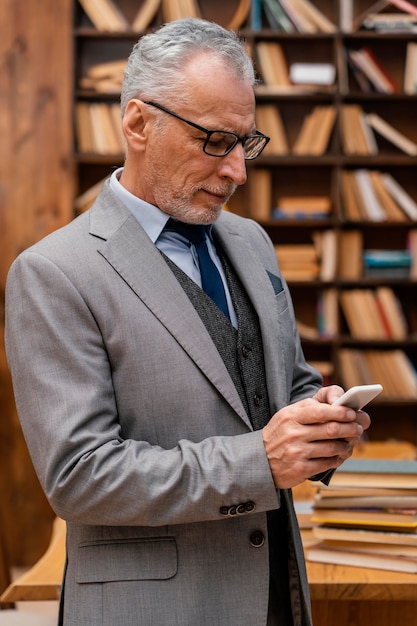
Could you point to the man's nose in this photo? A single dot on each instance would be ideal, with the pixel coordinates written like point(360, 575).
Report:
point(233, 165)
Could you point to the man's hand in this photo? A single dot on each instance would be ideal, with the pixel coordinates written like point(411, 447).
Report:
point(311, 436)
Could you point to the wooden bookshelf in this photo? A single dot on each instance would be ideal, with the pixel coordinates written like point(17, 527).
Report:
point(324, 168)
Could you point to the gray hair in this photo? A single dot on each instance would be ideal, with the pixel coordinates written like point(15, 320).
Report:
point(155, 66)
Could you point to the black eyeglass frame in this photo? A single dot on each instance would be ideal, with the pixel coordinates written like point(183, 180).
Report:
point(209, 133)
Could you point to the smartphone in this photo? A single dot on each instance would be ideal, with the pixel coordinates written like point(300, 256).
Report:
point(358, 396)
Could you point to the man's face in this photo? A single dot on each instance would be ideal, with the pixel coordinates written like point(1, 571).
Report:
point(178, 176)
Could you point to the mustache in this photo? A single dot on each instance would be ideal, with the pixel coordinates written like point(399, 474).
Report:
point(228, 191)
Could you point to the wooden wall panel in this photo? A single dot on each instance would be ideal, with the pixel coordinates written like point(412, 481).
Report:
point(36, 191)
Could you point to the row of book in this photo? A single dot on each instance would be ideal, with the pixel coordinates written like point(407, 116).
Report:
point(359, 131)
point(375, 196)
point(290, 16)
point(309, 261)
point(286, 15)
point(305, 17)
point(392, 368)
point(313, 136)
point(369, 314)
point(331, 255)
point(374, 313)
point(106, 15)
point(365, 195)
point(98, 128)
point(279, 76)
point(367, 516)
point(372, 76)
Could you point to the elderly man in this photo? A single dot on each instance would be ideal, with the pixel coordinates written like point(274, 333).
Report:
point(158, 373)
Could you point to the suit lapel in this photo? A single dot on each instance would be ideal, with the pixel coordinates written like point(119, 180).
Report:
point(130, 252)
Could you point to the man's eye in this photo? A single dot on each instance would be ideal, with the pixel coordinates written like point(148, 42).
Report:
point(220, 141)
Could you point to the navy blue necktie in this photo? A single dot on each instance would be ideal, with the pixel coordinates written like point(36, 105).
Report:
point(211, 280)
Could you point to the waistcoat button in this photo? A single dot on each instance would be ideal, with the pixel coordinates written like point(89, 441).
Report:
point(257, 539)
point(257, 399)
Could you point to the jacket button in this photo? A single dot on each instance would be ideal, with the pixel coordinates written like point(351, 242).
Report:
point(249, 506)
point(257, 539)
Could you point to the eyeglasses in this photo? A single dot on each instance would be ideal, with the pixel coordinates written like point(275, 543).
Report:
point(219, 143)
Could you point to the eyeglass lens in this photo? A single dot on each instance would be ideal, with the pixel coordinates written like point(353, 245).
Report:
point(221, 143)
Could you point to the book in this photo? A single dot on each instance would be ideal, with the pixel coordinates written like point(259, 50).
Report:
point(302, 207)
point(403, 199)
point(99, 128)
point(357, 136)
point(376, 473)
point(315, 131)
point(392, 210)
point(366, 502)
point(346, 15)
point(390, 133)
point(104, 77)
point(313, 14)
point(412, 248)
point(350, 196)
point(145, 15)
point(302, 22)
point(105, 135)
point(276, 16)
point(256, 14)
point(312, 73)
point(366, 61)
point(361, 314)
point(391, 305)
point(367, 536)
point(359, 559)
point(273, 64)
point(105, 15)
point(328, 254)
point(298, 261)
point(83, 130)
point(410, 69)
point(177, 9)
point(353, 368)
point(268, 118)
point(260, 202)
point(390, 22)
point(371, 203)
point(350, 255)
point(328, 313)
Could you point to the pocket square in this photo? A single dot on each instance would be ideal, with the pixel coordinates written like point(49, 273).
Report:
point(276, 282)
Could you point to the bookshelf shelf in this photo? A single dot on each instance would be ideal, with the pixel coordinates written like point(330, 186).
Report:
point(338, 237)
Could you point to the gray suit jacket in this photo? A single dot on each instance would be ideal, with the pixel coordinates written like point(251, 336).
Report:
point(136, 431)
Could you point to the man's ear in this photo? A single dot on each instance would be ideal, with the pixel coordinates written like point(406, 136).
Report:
point(135, 122)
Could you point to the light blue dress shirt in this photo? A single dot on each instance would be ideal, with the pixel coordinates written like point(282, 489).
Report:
point(176, 247)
